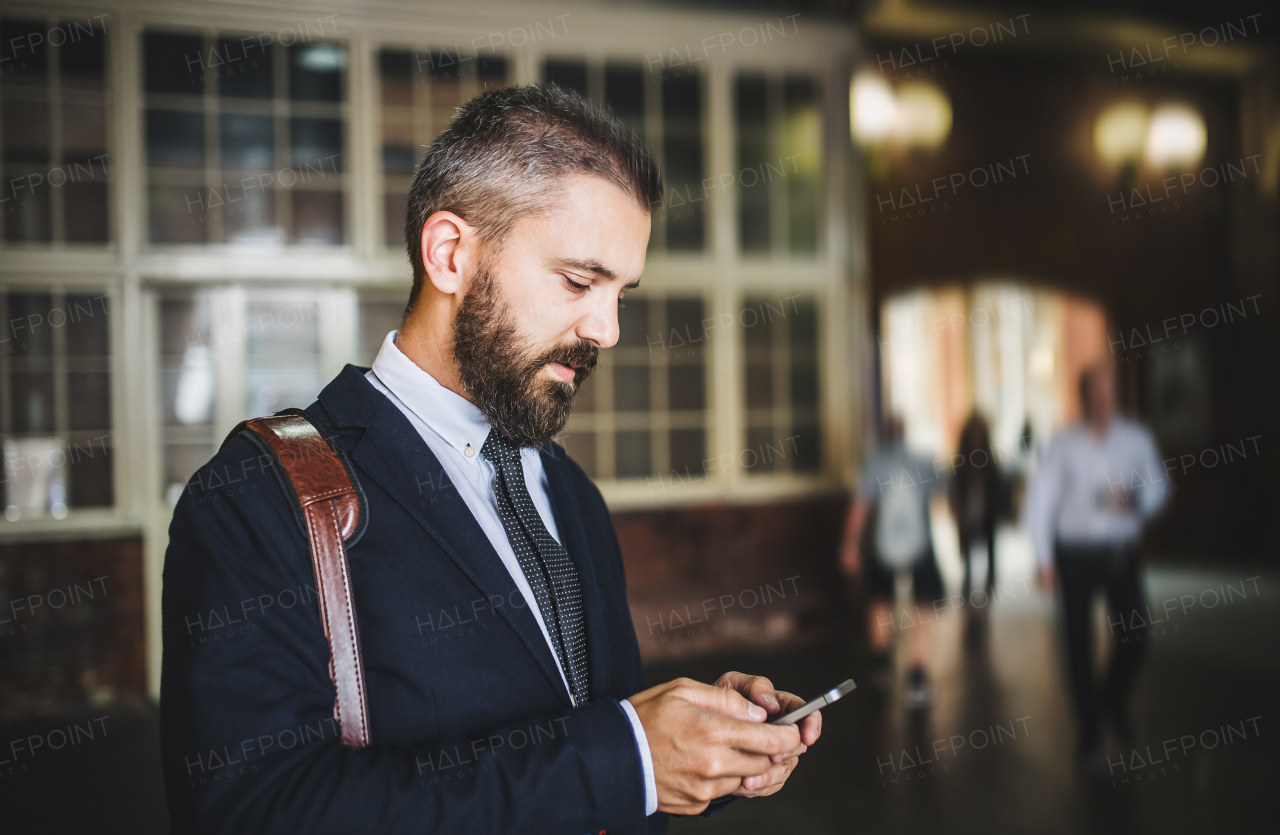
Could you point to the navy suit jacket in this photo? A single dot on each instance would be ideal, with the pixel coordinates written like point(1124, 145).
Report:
point(472, 728)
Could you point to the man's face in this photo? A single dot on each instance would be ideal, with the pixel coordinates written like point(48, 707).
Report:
point(535, 315)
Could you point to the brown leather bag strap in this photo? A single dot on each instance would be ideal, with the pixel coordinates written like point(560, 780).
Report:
point(329, 502)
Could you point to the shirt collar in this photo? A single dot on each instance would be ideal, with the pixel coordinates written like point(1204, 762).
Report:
point(450, 415)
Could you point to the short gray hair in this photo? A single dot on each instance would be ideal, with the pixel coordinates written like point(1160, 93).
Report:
point(503, 153)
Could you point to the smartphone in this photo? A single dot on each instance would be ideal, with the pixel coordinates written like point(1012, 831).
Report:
point(832, 695)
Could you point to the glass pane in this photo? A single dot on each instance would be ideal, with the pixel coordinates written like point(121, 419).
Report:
point(395, 70)
point(806, 449)
point(180, 463)
point(29, 324)
point(682, 159)
point(29, 221)
point(688, 388)
point(89, 474)
point(804, 328)
point(571, 75)
point(492, 71)
point(173, 63)
point(581, 447)
point(632, 454)
point(751, 110)
point(88, 400)
point(624, 95)
point(803, 152)
point(247, 68)
point(317, 217)
point(248, 142)
point(315, 71)
point(759, 385)
point(86, 212)
point(631, 388)
point(84, 135)
point(175, 215)
point(82, 57)
point(282, 351)
point(633, 323)
point(36, 473)
point(318, 143)
point(29, 39)
point(86, 329)
point(26, 134)
point(31, 402)
point(757, 458)
point(250, 217)
point(186, 361)
point(688, 451)
point(175, 138)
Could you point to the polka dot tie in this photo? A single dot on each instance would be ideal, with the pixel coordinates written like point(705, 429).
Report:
point(545, 563)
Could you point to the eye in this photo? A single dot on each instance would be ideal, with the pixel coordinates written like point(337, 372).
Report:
point(574, 286)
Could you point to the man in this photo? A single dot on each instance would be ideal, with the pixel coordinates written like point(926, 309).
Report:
point(897, 485)
point(489, 591)
point(1099, 481)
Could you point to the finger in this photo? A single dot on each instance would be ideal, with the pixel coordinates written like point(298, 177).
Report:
point(755, 738)
point(719, 763)
point(757, 689)
point(811, 728)
point(769, 782)
point(795, 752)
point(723, 700)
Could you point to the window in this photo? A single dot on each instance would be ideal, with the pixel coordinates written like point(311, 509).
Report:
point(780, 338)
point(643, 411)
point(55, 394)
point(53, 143)
point(665, 110)
point(779, 142)
point(420, 92)
point(244, 139)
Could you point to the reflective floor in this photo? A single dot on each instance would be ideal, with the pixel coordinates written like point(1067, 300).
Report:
point(994, 753)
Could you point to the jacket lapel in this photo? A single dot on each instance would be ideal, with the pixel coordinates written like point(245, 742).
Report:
point(393, 454)
point(573, 536)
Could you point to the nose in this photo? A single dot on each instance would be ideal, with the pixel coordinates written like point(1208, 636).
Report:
point(600, 323)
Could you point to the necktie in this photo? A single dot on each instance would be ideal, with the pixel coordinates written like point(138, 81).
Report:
point(545, 563)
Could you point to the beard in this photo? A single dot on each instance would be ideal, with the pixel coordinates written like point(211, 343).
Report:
point(502, 375)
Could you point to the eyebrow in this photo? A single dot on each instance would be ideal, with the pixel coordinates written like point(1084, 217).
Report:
point(594, 267)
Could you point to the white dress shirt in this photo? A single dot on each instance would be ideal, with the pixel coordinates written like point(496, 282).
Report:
point(455, 429)
point(1071, 495)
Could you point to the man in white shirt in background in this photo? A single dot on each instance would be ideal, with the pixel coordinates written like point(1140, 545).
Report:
point(1098, 483)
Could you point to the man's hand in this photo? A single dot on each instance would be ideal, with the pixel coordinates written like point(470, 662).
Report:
point(705, 740)
point(759, 690)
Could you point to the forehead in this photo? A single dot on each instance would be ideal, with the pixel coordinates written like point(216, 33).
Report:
point(588, 220)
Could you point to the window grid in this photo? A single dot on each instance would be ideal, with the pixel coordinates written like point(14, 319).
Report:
point(780, 385)
point(778, 146)
point(601, 430)
point(74, 95)
point(289, 199)
point(420, 91)
point(56, 344)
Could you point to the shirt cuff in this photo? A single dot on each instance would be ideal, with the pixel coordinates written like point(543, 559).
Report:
point(646, 758)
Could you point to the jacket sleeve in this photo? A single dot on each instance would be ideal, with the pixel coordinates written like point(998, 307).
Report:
point(248, 738)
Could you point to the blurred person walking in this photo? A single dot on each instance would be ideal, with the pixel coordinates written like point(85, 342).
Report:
point(1098, 483)
point(896, 486)
point(974, 497)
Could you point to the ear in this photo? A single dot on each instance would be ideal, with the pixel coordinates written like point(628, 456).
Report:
point(446, 244)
